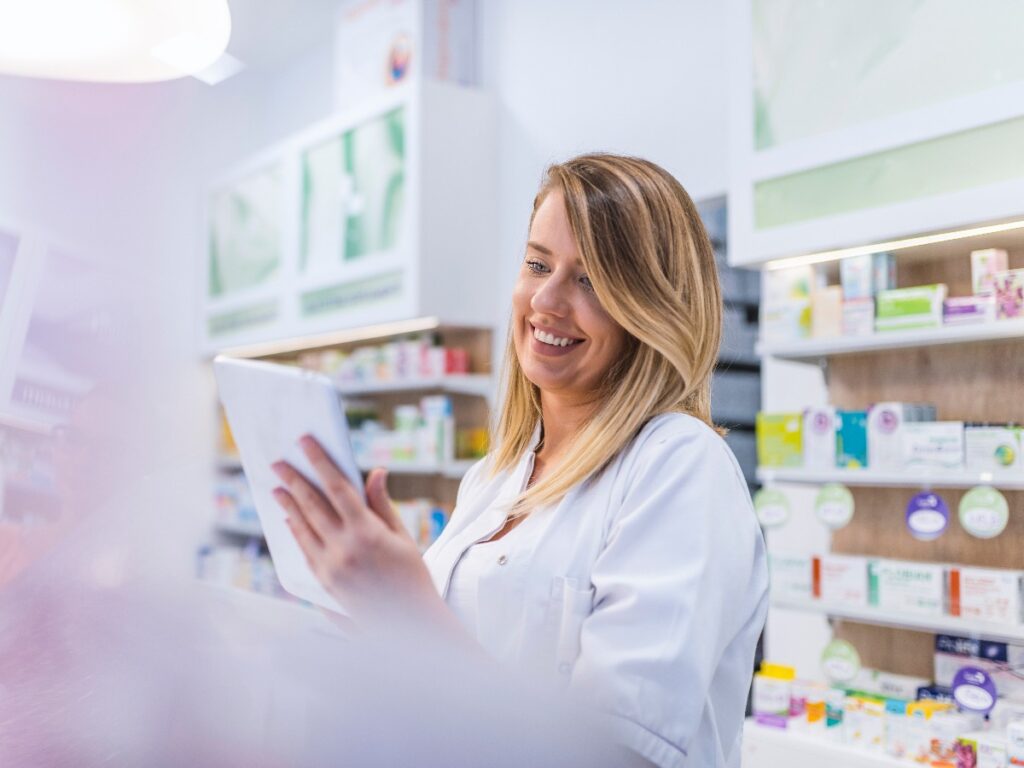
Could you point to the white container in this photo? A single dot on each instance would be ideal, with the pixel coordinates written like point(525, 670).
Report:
point(790, 576)
point(820, 438)
point(987, 594)
point(993, 449)
point(842, 580)
point(905, 587)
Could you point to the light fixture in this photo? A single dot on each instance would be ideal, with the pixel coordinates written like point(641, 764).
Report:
point(124, 41)
point(892, 245)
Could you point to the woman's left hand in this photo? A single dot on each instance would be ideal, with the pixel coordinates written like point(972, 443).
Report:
point(360, 551)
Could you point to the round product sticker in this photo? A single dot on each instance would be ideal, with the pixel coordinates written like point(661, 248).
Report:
point(840, 661)
point(974, 690)
point(984, 512)
point(772, 507)
point(834, 505)
point(927, 516)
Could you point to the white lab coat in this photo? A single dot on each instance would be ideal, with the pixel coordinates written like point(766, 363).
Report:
point(646, 586)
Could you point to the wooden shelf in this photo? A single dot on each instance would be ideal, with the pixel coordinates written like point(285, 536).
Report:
point(891, 478)
point(810, 350)
point(945, 625)
point(766, 747)
point(476, 384)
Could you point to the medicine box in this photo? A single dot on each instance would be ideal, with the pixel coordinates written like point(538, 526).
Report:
point(790, 576)
point(819, 432)
point(1009, 290)
point(851, 439)
point(859, 317)
point(865, 275)
point(904, 308)
point(965, 310)
point(827, 312)
point(933, 445)
point(984, 265)
point(841, 580)
point(905, 587)
point(993, 449)
point(888, 684)
point(779, 439)
point(786, 303)
point(993, 595)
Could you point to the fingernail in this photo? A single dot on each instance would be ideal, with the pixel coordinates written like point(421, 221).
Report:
point(278, 467)
point(306, 441)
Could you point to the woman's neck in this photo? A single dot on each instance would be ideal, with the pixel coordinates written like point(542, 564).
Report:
point(562, 419)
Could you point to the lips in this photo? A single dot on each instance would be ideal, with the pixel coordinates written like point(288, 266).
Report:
point(554, 332)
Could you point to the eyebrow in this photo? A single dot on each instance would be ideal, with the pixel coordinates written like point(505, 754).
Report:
point(545, 250)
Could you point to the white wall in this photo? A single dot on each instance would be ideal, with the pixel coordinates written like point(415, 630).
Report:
point(646, 78)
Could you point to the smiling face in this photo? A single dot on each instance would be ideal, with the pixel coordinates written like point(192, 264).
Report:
point(564, 339)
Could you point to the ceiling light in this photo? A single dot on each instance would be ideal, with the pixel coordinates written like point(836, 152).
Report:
point(128, 41)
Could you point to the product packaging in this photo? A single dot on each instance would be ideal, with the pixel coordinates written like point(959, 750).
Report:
point(993, 448)
point(791, 576)
point(841, 580)
point(904, 587)
point(981, 750)
point(865, 275)
point(835, 707)
point(888, 684)
point(819, 435)
point(1002, 662)
point(771, 694)
point(864, 721)
point(779, 439)
point(896, 742)
point(942, 730)
point(1015, 743)
point(786, 304)
point(987, 594)
point(851, 439)
point(859, 317)
point(933, 445)
point(984, 266)
point(885, 431)
point(967, 310)
point(827, 312)
point(906, 308)
point(1009, 289)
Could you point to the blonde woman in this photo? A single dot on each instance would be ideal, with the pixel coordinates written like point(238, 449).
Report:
point(609, 537)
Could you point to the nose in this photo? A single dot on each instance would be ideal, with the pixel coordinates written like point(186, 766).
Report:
point(552, 298)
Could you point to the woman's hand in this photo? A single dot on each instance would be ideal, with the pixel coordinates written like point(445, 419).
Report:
point(360, 552)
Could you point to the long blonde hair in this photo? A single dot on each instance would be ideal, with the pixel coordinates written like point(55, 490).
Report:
point(648, 256)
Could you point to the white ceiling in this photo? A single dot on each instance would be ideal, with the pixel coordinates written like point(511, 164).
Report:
point(266, 33)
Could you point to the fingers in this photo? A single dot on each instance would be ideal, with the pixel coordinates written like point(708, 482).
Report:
point(380, 501)
point(339, 490)
point(307, 539)
point(308, 502)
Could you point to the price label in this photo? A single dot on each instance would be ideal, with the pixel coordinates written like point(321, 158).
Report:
point(772, 507)
point(984, 512)
point(834, 506)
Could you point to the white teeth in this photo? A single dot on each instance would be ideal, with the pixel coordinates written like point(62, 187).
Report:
point(548, 338)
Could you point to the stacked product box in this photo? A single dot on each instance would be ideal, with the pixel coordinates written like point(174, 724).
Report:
point(885, 424)
point(1002, 662)
point(897, 586)
point(990, 595)
point(841, 580)
point(910, 308)
point(862, 278)
point(780, 439)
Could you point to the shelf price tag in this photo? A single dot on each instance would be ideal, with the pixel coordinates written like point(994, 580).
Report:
point(927, 516)
point(834, 506)
point(974, 690)
point(772, 507)
point(840, 661)
point(984, 512)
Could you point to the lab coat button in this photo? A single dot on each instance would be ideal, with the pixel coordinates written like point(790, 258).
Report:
point(502, 560)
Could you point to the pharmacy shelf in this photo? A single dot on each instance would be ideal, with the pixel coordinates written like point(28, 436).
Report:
point(454, 469)
point(945, 625)
point(273, 613)
point(476, 384)
point(766, 747)
point(240, 527)
point(26, 424)
point(894, 479)
point(811, 350)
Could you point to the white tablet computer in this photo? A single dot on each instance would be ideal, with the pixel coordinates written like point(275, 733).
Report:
point(269, 407)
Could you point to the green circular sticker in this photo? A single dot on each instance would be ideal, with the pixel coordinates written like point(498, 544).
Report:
point(834, 505)
point(984, 512)
point(772, 507)
point(840, 661)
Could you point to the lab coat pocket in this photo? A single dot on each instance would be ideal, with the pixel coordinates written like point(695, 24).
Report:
point(574, 601)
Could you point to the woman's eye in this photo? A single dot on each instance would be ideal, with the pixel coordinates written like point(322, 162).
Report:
point(534, 266)
point(585, 281)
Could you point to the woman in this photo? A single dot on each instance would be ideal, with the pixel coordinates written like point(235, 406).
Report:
point(609, 536)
